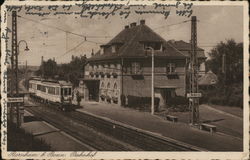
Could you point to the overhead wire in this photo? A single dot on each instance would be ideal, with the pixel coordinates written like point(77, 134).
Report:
point(68, 51)
point(171, 24)
point(84, 36)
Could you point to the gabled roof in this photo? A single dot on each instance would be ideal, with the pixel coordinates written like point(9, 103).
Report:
point(185, 47)
point(208, 79)
point(132, 41)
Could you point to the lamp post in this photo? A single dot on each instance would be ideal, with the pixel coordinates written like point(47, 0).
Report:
point(16, 71)
point(152, 81)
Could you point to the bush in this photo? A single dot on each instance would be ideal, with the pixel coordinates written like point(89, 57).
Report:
point(224, 95)
point(178, 103)
point(178, 100)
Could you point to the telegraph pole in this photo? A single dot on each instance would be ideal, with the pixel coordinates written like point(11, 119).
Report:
point(194, 95)
point(14, 62)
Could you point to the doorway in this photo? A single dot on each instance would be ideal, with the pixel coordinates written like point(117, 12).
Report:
point(93, 87)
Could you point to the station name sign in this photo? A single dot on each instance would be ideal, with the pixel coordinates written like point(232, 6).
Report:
point(194, 95)
point(15, 100)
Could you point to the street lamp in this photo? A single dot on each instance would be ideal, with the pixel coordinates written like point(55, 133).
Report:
point(18, 49)
point(152, 81)
point(16, 71)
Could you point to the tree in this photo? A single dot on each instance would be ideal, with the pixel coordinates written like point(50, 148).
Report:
point(48, 69)
point(74, 70)
point(68, 71)
point(233, 58)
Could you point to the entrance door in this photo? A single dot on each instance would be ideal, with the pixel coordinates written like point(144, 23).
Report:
point(168, 95)
point(93, 91)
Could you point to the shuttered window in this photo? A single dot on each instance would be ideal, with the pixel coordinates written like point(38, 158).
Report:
point(136, 68)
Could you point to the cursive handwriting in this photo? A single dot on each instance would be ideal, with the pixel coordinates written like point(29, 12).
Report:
point(5, 37)
point(89, 10)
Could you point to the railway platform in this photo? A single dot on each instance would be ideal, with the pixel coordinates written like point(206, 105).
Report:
point(154, 124)
point(58, 140)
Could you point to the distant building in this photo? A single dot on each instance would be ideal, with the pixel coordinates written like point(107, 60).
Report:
point(208, 80)
point(123, 67)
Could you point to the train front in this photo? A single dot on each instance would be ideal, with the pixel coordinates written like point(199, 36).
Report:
point(66, 95)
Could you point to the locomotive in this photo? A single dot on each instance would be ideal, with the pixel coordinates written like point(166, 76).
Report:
point(56, 92)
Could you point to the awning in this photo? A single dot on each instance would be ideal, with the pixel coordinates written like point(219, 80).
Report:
point(90, 80)
point(166, 87)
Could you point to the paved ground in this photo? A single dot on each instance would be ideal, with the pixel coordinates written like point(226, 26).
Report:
point(178, 131)
point(59, 141)
point(226, 123)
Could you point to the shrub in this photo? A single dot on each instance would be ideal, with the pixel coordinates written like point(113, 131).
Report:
point(178, 100)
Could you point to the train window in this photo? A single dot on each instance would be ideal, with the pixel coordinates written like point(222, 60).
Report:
point(57, 91)
point(69, 91)
point(34, 86)
point(51, 90)
point(39, 87)
point(30, 85)
point(43, 88)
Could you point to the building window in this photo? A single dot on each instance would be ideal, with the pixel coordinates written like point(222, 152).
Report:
point(171, 73)
point(115, 86)
point(102, 85)
point(136, 68)
point(170, 68)
point(108, 86)
point(155, 45)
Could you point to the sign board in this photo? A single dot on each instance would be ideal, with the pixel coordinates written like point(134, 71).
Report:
point(15, 100)
point(194, 95)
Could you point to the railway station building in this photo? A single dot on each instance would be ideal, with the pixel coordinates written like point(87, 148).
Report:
point(122, 67)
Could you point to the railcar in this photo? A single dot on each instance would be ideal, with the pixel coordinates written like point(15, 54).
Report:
point(54, 92)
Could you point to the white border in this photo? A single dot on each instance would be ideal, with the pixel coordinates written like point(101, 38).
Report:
point(149, 155)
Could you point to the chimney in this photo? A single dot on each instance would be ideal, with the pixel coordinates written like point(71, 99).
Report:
point(172, 41)
point(54, 59)
point(127, 26)
point(42, 60)
point(92, 52)
point(142, 22)
point(132, 24)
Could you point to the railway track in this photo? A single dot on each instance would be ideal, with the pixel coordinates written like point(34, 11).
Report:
point(134, 137)
point(86, 135)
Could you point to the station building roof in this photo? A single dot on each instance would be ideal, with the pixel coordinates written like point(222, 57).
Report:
point(131, 42)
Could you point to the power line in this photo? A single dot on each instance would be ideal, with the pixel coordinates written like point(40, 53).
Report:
point(171, 25)
point(79, 44)
point(76, 34)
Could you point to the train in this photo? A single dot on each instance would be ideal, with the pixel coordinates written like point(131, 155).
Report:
point(55, 92)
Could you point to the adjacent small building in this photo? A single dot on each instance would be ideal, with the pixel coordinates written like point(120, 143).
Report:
point(123, 67)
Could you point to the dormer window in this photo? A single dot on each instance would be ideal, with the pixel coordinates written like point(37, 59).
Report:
point(102, 51)
point(155, 45)
point(113, 48)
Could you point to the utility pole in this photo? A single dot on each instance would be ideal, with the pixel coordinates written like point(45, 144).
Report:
point(152, 81)
point(42, 65)
point(194, 95)
point(26, 84)
point(14, 62)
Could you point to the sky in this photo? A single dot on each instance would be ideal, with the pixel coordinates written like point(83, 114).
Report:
point(215, 24)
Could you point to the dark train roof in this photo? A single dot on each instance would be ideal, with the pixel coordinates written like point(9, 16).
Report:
point(62, 82)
